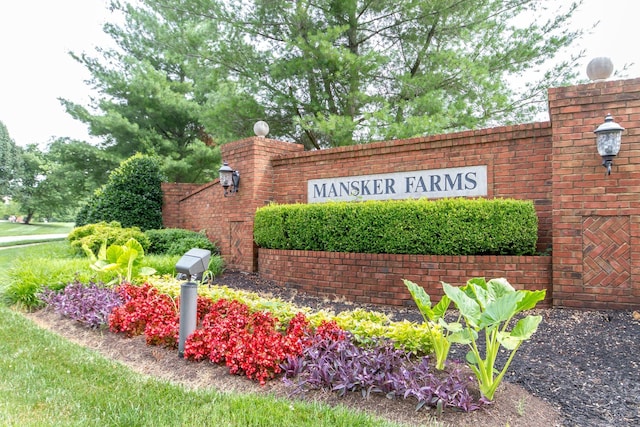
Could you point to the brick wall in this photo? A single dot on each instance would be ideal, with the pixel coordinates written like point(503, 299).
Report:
point(590, 221)
point(517, 159)
point(228, 221)
point(377, 278)
point(172, 195)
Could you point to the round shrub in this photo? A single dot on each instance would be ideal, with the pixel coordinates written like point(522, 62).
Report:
point(181, 246)
point(132, 196)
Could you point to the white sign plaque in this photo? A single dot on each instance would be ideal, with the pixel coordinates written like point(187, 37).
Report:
point(468, 181)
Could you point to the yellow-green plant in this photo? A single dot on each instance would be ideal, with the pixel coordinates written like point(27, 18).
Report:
point(123, 259)
point(437, 328)
point(410, 336)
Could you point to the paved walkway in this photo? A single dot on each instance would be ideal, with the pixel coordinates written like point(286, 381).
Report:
point(9, 239)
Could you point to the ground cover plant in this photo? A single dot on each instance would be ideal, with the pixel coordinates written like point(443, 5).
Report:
point(89, 304)
point(247, 342)
point(342, 366)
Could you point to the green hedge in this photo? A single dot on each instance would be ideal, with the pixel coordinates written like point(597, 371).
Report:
point(177, 241)
point(424, 227)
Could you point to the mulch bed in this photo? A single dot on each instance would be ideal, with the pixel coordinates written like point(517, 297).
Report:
point(586, 362)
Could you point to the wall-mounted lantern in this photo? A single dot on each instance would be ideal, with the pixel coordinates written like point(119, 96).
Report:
point(608, 139)
point(229, 179)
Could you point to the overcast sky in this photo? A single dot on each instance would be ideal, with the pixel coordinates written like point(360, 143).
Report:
point(36, 69)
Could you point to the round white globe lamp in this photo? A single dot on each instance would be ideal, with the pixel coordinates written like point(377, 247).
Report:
point(599, 68)
point(261, 129)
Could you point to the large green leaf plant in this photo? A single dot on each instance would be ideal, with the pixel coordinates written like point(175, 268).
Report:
point(489, 307)
point(125, 260)
point(434, 319)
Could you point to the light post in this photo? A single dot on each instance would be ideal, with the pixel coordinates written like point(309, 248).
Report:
point(192, 264)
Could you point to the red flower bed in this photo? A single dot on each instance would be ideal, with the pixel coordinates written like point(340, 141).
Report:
point(147, 311)
point(246, 342)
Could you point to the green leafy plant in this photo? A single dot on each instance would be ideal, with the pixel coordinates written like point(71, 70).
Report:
point(434, 320)
point(177, 241)
point(120, 258)
point(93, 235)
point(491, 307)
point(410, 336)
point(29, 270)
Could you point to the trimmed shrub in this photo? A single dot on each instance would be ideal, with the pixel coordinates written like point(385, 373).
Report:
point(177, 241)
point(132, 196)
point(423, 227)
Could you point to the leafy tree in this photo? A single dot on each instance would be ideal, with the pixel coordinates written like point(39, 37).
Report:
point(55, 182)
point(132, 196)
point(323, 73)
point(75, 170)
point(10, 162)
point(8, 208)
point(350, 71)
point(150, 101)
point(33, 194)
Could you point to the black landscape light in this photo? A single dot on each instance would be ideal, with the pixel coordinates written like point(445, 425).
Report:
point(608, 140)
point(229, 179)
point(193, 264)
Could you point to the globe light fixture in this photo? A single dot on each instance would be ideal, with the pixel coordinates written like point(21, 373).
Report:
point(599, 68)
point(608, 140)
point(261, 129)
point(229, 179)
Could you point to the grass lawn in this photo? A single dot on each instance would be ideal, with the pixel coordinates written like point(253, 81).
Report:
point(48, 250)
point(15, 229)
point(37, 229)
point(8, 255)
point(46, 380)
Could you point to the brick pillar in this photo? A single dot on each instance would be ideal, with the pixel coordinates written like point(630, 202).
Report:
point(252, 158)
point(596, 218)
